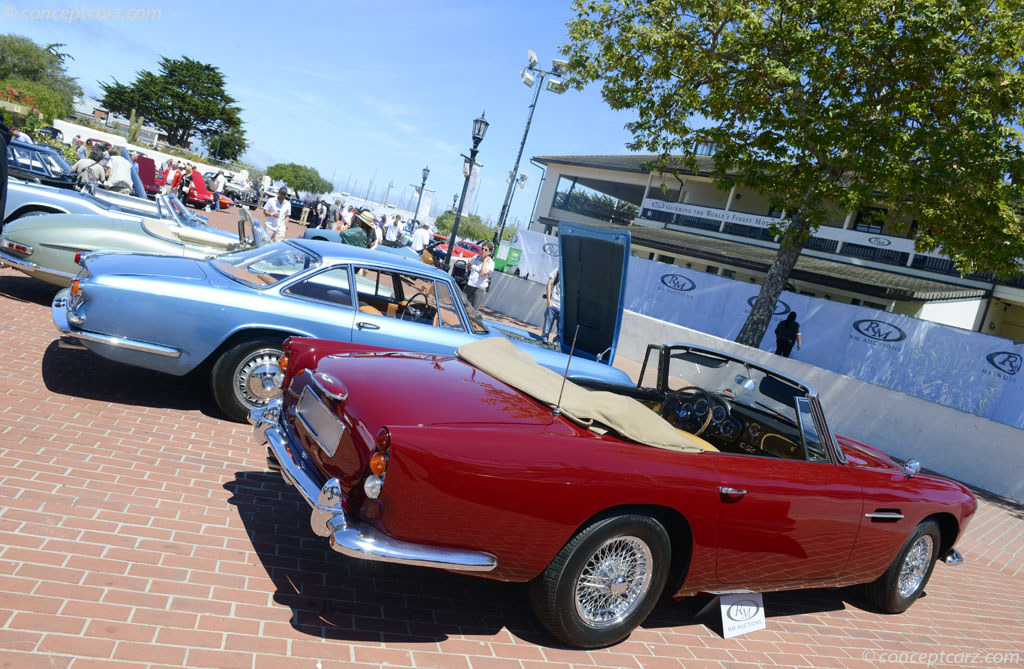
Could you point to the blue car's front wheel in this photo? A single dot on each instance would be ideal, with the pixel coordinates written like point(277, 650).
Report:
point(247, 377)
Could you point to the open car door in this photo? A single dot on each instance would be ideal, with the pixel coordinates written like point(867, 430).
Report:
point(592, 271)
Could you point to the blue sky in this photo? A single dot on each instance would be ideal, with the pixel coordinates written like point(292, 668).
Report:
point(358, 89)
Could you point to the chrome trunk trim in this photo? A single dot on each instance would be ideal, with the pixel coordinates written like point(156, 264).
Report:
point(347, 534)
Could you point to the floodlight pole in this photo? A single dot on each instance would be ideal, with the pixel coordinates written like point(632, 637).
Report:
point(519, 156)
point(415, 214)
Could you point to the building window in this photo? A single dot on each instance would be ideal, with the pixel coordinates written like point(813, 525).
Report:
point(711, 269)
point(870, 219)
point(728, 273)
point(774, 213)
point(667, 259)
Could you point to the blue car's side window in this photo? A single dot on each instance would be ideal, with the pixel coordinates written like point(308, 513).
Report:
point(331, 286)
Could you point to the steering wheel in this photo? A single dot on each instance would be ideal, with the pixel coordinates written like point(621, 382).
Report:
point(672, 409)
point(407, 307)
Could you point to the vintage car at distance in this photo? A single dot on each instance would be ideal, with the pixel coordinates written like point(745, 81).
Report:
point(602, 497)
point(47, 247)
point(233, 312)
point(40, 163)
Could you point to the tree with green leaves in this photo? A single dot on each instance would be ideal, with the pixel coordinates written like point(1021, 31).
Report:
point(300, 178)
point(39, 71)
point(471, 226)
point(825, 106)
point(229, 145)
point(186, 99)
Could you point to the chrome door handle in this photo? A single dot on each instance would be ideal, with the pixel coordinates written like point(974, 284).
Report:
point(363, 325)
point(731, 493)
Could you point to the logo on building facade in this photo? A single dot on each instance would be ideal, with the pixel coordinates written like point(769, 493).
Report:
point(677, 282)
point(1005, 361)
point(656, 204)
point(551, 249)
point(781, 308)
point(879, 330)
point(879, 241)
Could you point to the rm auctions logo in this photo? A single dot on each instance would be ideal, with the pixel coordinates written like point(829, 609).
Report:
point(879, 330)
point(677, 282)
point(742, 610)
point(551, 249)
point(879, 241)
point(656, 204)
point(1006, 362)
point(781, 308)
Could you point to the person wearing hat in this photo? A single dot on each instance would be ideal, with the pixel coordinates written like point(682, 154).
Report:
point(361, 232)
point(277, 210)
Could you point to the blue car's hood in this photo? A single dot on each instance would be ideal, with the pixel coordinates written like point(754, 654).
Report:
point(592, 274)
point(143, 264)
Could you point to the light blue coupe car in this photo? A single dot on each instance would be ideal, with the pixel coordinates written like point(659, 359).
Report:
point(232, 313)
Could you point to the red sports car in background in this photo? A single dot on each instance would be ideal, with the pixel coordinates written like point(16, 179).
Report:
point(721, 476)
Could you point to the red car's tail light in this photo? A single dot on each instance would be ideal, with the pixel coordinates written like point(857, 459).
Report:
point(383, 440)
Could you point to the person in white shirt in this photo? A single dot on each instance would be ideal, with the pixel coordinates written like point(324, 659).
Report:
point(277, 210)
point(218, 188)
point(118, 174)
point(391, 232)
point(21, 136)
point(554, 309)
point(420, 238)
point(480, 269)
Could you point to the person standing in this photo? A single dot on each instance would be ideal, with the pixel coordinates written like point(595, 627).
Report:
point(420, 238)
point(392, 230)
point(277, 209)
point(787, 333)
point(118, 174)
point(307, 204)
point(332, 216)
point(360, 233)
point(218, 188)
point(554, 308)
point(480, 269)
point(5, 136)
point(89, 170)
point(21, 136)
point(80, 150)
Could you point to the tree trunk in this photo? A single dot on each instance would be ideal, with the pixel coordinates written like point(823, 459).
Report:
point(792, 243)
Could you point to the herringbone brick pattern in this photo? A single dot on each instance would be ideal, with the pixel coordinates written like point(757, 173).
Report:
point(138, 528)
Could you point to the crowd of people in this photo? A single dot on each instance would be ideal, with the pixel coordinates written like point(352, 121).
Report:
point(102, 167)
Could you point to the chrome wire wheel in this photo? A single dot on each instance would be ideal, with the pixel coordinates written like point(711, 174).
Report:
point(613, 581)
point(915, 566)
point(257, 378)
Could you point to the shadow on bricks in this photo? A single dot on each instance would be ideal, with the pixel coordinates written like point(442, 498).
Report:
point(24, 289)
point(333, 596)
point(88, 376)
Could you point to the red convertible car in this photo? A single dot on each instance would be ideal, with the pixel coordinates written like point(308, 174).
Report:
point(713, 474)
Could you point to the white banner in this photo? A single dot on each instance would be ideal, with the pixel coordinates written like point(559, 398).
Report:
point(539, 257)
point(474, 179)
point(424, 204)
point(970, 371)
point(752, 220)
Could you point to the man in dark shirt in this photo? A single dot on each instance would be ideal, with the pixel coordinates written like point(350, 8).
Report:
point(787, 333)
point(5, 137)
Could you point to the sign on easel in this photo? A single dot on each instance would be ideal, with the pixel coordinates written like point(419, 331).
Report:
point(741, 613)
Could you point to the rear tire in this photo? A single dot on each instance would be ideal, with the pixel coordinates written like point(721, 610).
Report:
point(604, 582)
point(904, 580)
point(246, 377)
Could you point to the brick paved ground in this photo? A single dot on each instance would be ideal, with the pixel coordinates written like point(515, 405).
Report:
point(138, 528)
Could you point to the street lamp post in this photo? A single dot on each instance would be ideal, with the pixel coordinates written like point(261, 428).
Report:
point(479, 130)
point(558, 67)
point(426, 173)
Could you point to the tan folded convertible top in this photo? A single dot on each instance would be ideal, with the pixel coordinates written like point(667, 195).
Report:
point(593, 409)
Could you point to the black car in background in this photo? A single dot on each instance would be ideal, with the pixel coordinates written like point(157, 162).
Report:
point(38, 163)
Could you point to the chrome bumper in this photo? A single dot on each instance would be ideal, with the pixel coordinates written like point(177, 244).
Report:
point(953, 556)
point(73, 339)
point(347, 534)
point(32, 269)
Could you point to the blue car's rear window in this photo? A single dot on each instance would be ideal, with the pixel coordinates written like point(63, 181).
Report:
point(265, 265)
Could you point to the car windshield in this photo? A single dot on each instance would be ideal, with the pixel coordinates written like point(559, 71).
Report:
point(265, 265)
point(56, 163)
point(180, 213)
point(736, 382)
